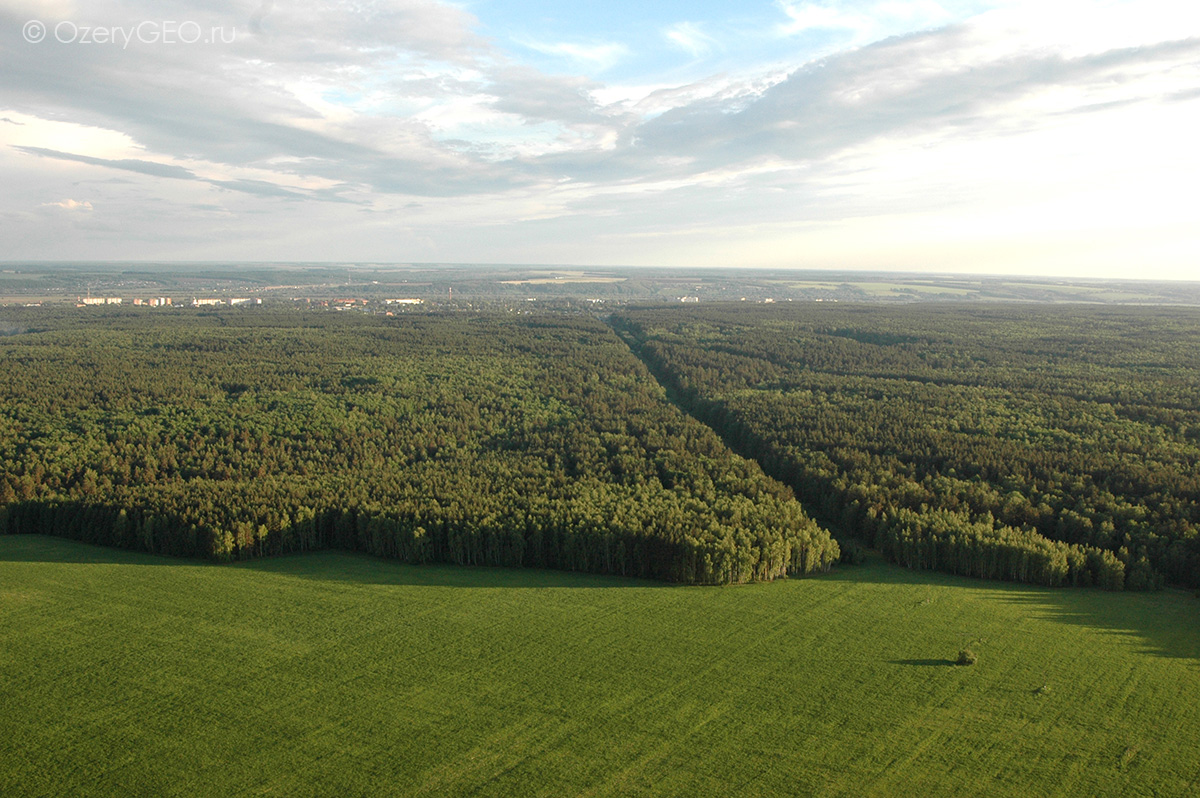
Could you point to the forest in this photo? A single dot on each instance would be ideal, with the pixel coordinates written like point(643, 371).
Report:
point(478, 439)
point(1054, 445)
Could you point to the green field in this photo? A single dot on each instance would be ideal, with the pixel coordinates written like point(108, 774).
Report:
point(341, 674)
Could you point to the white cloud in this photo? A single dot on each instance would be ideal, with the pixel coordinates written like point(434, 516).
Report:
point(40, 9)
point(1084, 27)
point(689, 37)
point(862, 23)
point(32, 131)
point(69, 205)
point(810, 16)
point(597, 56)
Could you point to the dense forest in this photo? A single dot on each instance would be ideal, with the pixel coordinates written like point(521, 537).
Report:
point(472, 439)
point(1044, 444)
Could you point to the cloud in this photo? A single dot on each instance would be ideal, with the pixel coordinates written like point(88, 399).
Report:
point(344, 32)
point(260, 188)
point(937, 80)
point(689, 37)
point(596, 56)
point(40, 9)
point(257, 187)
point(337, 107)
point(69, 205)
point(126, 164)
point(350, 100)
point(259, 16)
point(354, 94)
point(810, 16)
point(860, 23)
point(534, 96)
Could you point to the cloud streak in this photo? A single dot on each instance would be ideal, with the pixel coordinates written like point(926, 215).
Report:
point(257, 187)
point(600, 56)
point(690, 38)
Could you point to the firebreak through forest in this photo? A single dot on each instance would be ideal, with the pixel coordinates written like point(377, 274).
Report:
point(470, 439)
point(1038, 443)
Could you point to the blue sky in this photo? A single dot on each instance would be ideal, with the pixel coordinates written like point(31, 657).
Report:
point(1010, 136)
point(676, 41)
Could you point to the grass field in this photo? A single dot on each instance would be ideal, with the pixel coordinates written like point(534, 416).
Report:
point(339, 674)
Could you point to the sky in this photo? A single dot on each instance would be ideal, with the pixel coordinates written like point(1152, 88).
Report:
point(1006, 137)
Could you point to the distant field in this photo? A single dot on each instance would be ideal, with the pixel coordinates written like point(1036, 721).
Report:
point(875, 288)
point(559, 280)
point(340, 674)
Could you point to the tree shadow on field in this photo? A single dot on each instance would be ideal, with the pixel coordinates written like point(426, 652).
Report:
point(333, 565)
point(51, 549)
point(921, 662)
point(324, 565)
point(1165, 623)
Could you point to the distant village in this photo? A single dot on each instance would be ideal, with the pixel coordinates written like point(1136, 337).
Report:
point(163, 301)
point(197, 302)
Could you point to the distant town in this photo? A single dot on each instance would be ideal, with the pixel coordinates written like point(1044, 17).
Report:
point(162, 301)
point(197, 302)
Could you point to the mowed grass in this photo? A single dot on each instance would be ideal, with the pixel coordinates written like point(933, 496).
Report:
point(339, 674)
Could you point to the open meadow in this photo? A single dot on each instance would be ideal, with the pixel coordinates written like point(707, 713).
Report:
point(123, 673)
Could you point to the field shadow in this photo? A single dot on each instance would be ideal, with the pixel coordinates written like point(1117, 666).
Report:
point(332, 565)
point(1165, 623)
point(51, 549)
point(929, 663)
point(325, 565)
